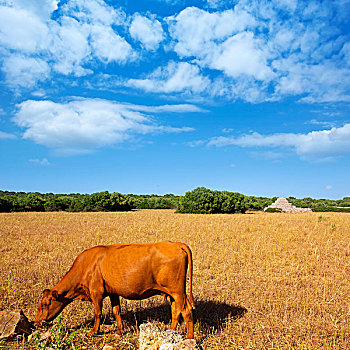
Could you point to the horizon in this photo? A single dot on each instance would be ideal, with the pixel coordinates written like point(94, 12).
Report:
point(162, 195)
point(165, 96)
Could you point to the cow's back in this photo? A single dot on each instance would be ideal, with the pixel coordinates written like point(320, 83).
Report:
point(133, 270)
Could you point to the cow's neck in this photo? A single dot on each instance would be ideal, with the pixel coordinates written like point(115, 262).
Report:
point(66, 287)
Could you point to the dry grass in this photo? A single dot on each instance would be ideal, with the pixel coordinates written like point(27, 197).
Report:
point(261, 281)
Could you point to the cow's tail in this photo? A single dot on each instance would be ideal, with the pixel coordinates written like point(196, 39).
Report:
point(187, 250)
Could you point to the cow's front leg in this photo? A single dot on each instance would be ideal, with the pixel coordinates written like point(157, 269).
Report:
point(97, 300)
point(116, 312)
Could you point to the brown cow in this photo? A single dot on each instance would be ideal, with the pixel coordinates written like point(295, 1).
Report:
point(133, 271)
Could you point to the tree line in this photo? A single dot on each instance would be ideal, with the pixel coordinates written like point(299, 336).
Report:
point(199, 200)
point(76, 202)
point(340, 205)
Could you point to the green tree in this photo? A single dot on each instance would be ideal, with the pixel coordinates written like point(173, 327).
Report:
point(34, 202)
point(205, 201)
point(6, 204)
point(58, 203)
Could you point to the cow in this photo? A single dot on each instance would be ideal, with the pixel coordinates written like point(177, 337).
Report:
point(132, 271)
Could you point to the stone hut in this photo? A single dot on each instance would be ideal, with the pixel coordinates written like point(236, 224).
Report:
point(284, 205)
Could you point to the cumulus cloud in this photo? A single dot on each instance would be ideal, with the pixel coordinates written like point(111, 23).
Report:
point(82, 32)
point(109, 46)
point(324, 82)
point(253, 48)
point(315, 145)
point(93, 12)
point(148, 31)
point(41, 8)
point(175, 77)
point(195, 31)
point(70, 47)
point(82, 125)
point(241, 54)
point(254, 51)
point(25, 71)
point(22, 30)
point(222, 41)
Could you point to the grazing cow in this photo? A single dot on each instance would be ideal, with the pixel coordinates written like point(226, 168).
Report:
point(133, 271)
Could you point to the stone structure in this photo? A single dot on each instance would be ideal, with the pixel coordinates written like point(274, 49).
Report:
point(284, 205)
point(13, 323)
point(152, 338)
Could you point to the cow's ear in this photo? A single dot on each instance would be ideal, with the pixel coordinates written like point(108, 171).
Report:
point(46, 292)
point(54, 293)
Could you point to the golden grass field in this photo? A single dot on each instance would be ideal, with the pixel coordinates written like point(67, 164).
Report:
point(261, 280)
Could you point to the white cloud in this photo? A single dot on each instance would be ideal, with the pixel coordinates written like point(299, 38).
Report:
point(175, 77)
point(109, 46)
point(178, 108)
point(290, 5)
point(22, 30)
point(93, 34)
point(148, 31)
point(83, 125)
point(300, 55)
point(255, 51)
point(242, 54)
point(321, 123)
point(324, 82)
point(41, 8)
point(195, 31)
point(6, 136)
point(221, 41)
point(39, 93)
point(314, 145)
point(70, 47)
point(345, 51)
point(196, 143)
point(94, 12)
point(84, 31)
point(245, 88)
point(25, 71)
point(43, 161)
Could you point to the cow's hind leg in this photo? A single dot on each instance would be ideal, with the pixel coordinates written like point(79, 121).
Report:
point(175, 313)
point(188, 317)
point(181, 305)
point(116, 312)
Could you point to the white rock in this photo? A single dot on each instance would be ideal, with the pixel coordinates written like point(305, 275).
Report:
point(13, 323)
point(152, 338)
point(149, 336)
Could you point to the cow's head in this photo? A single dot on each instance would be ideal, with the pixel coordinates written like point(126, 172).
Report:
point(50, 306)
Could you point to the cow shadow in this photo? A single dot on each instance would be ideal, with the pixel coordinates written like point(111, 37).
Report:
point(210, 314)
point(213, 313)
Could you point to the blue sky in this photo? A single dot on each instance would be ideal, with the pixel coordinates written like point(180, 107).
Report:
point(161, 96)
